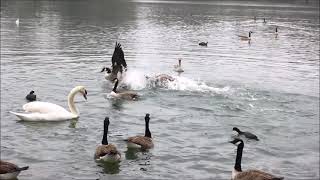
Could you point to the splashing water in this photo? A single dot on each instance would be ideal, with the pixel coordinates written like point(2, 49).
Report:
point(136, 80)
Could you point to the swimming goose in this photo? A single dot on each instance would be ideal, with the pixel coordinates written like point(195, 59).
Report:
point(106, 151)
point(178, 68)
point(276, 33)
point(31, 96)
point(128, 95)
point(246, 134)
point(118, 63)
point(45, 111)
point(264, 20)
point(9, 170)
point(246, 38)
point(144, 142)
point(238, 174)
point(203, 43)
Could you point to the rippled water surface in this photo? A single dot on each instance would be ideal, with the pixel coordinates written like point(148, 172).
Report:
point(269, 87)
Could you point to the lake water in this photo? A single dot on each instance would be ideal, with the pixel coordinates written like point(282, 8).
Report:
point(269, 87)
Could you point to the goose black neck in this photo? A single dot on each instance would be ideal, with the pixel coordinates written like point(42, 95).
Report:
point(147, 133)
point(115, 87)
point(237, 166)
point(249, 34)
point(105, 134)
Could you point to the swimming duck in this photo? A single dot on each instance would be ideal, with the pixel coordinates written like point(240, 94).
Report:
point(238, 174)
point(128, 95)
point(118, 64)
point(245, 134)
point(203, 43)
point(106, 151)
point(178, 67)
point(246, 38)
point(31, 96)
point(9, 170)
point(144, 142)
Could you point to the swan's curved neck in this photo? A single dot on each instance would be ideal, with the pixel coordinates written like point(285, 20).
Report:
point(71, 104)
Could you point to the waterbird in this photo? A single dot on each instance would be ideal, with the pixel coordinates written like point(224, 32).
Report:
point(17, 22)
point(31, 96)
point(9, 170)
point(203, 43)
point(276, 32)
point(245, 134)
point(105, 151)
point(45, 111)
point(143, 142)
point(238, 174)
point(178, 67)
point(128, 95)
point(264, 20)
point(118, 63)
point(246, 38)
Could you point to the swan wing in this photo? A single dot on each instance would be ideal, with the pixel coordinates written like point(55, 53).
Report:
point(43, 107)
point(44, 116)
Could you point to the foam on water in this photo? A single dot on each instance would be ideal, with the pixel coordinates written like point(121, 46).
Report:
point(136, 80)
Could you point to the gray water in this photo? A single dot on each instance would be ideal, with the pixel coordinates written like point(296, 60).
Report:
point(269, 87)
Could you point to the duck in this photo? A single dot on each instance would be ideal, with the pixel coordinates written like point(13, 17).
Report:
point(245, 134)
point(143, 142)
point(118, 64)
point(107, 152)
point(128, 95)
point(17, 22)
point(203, 44)
point(238, 174)
point(45, 111)
point(178, 68)
point(246, 38)
point(9, 170)
point(31, 96)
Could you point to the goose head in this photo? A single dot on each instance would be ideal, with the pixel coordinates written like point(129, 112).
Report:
point(108, 70)
point(236, 129)
point(31, 92)
point(236, 141)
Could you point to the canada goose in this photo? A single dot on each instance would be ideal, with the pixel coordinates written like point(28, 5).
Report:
point(144, 142)
point(203, 43)
point(246, 134)
point(276, 33)
point(238, 174)
point(45, 111)
point(17, 22)
point(264, 20)
point(246, 38)
point(106, 151)
point(178, 67)
point(129, 95)
point(9, 170)
point(118, 63)
point(31, 96)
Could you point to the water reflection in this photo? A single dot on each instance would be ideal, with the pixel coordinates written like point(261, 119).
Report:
point(110, 167)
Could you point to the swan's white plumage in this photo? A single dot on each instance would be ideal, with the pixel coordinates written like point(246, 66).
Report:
point(45, 111)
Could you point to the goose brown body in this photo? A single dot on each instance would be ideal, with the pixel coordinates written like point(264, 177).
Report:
point(9, 170)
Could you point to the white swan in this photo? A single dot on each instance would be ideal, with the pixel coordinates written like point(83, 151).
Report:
point(45, 111)
point(178, 67)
